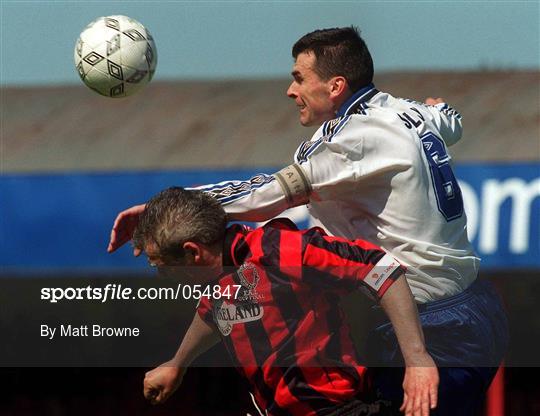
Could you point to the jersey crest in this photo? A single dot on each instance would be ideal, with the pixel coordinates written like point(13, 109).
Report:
point(246, 308)
point(249, 279)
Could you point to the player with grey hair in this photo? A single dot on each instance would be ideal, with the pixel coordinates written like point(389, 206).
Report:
point(167, 223)
point(379, 167)
point(286, 278)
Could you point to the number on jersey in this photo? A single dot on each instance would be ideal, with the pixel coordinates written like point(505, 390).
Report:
point(447, 192)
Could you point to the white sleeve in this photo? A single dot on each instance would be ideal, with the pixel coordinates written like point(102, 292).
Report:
point(447, 121)
point(324, 168)
point(319, 174)
point(328, 161)
point(259, 198)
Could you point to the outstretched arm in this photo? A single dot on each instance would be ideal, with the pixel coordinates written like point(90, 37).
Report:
point(163, 381)
point(421, 375)
point(259, 198)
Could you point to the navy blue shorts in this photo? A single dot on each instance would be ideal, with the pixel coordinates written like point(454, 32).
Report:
point(467, 336)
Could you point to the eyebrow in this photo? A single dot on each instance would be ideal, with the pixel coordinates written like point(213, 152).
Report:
point(296, 73)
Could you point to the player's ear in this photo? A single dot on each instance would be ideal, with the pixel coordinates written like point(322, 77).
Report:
point(337, 86)
point(193, 253)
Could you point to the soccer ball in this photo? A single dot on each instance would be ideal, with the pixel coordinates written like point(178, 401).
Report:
point(115, 56)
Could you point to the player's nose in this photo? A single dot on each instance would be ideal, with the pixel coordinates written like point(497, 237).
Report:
point(291, 91)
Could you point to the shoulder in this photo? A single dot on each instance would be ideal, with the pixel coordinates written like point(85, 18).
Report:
point(271, 230)
point(350, 130)
point(334, 126)
point(321, 139)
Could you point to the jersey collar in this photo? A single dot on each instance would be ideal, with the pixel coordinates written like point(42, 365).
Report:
point(359, 97)
point(235, 245)
point(234, 239)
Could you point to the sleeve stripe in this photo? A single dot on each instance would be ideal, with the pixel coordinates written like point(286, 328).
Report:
point(339, 127)
point(446, 109)
point(236, 183)
point(231, 191)
point(302, 156)
point(325, 128)
point(329, 131)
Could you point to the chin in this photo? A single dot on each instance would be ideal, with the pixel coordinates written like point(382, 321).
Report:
point(306, 122)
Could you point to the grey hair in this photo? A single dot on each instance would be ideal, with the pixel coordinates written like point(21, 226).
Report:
point(177, 215)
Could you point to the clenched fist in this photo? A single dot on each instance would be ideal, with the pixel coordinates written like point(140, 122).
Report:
point(162, 381)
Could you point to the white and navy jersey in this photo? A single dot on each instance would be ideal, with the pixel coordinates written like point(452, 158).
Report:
point(379, 171)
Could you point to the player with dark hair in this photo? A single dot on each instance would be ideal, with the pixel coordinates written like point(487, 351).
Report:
point(332, 51)
point(378, 167)
point(283, 328)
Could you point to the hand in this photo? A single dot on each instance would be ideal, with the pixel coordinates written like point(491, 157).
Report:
point(420, 389)
point(123, 228)
point(433, 101)
point(161, 382)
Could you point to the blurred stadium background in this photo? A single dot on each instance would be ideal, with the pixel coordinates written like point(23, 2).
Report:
point(71, 160)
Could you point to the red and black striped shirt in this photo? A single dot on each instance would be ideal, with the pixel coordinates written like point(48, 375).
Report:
point(285, 331)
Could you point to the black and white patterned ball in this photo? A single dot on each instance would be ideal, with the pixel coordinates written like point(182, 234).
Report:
point(115, 56)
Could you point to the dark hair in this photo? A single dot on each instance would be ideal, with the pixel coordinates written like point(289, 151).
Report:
point(177, 215)
point(338, 51)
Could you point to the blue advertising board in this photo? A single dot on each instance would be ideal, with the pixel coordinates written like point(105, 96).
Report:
point(61, 222)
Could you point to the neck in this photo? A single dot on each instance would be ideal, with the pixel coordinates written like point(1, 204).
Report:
point(341, 100)
point(215, 264)
point(213, 258)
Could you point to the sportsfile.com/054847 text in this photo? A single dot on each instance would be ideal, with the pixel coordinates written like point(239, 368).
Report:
point(113, 292)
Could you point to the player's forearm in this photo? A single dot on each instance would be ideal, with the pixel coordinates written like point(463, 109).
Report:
point(258, 199)
point(248, 210)
point(399, 306)
point(199, 338)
